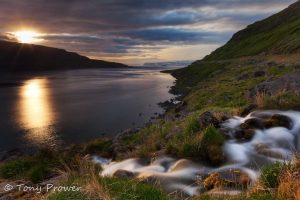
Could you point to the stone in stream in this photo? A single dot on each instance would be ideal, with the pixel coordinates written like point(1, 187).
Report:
point(232, 178)
point(248, 109)
point(252, 123)
point(278, 120)
point(124, 174)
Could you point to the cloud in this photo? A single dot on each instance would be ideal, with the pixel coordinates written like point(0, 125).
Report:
point(124, 27)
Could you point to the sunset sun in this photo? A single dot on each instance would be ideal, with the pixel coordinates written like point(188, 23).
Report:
point(27, 36)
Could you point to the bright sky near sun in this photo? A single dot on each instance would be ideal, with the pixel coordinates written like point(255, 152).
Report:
point(132, 31)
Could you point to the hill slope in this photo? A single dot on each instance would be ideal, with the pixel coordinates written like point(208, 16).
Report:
point(278, 34)
point(19, 57)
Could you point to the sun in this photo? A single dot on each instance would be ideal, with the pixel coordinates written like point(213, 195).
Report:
point(27, 36)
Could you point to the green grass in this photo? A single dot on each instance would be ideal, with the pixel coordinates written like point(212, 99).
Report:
point(100, 146)
point(131, 190)
point(270, 175)
point(278, 35)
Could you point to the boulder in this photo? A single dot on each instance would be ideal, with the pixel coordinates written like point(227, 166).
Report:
point(248, 109)
point(278, 120)
point(124, 174)
point(259, 73)
point(246, 134)
point(252, 123)
point(232, 178)
point(206, 119)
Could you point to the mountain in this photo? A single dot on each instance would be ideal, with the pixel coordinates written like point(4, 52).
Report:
point(169, 64)
point(21, 57)
point(278, 34)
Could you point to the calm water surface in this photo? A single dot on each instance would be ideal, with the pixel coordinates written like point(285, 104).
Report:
point(63, 107)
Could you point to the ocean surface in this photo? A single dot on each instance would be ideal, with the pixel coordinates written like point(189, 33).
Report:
point(64, 107)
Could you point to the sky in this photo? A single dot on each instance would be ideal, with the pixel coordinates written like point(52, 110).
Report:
point(134, 31)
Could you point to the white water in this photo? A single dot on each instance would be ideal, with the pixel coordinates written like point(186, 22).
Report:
point(180, 175)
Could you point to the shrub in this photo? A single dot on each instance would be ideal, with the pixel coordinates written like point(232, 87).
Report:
point(270, 174)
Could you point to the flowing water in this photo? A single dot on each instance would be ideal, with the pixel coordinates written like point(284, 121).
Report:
point(277, 144)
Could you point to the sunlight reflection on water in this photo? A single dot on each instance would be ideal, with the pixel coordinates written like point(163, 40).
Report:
point(36, 113)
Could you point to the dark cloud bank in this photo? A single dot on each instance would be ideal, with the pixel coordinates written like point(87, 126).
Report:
point(133, 27)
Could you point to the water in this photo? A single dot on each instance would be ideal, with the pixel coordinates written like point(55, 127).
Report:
point(63, 107)
point(276, 144)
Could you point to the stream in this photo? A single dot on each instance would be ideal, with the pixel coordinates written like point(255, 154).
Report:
point(267, 146)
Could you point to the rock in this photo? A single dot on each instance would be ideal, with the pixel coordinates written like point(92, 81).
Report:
point(248, 109)
point(214, 180)
point(246, 134)
point(233, 178)
point(259, 73)
point(206, 119)
point(252, 123)
point(181, 164)
point(288, 83)
point(242, 77)
point(278, 121)
point(124, 174)
point(10, 155)
point(266, 151)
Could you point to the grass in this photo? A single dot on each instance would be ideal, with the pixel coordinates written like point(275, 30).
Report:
point(280, 101)
point(85, 174)
point(34, 168)
point(277, 34)
point(270, 175)
point(102, 146)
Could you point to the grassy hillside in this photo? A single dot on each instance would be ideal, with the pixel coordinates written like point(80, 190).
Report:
point(279, 34)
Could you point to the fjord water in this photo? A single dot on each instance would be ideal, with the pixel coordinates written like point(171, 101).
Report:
point(63, 107)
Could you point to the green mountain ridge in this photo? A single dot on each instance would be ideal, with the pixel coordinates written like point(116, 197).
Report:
point(278, 34)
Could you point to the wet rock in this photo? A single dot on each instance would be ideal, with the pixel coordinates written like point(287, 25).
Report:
point(124, 174)
point(278, 121)
point(259, 73)
point(206, 119)
point(181, 164)
point(252, 123)
point(248, 110)
point(246, 134)
point(232, 178)
point(214, 180)
point(266, 151)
